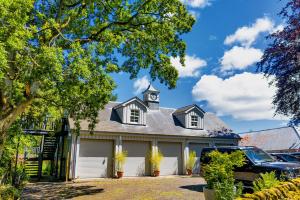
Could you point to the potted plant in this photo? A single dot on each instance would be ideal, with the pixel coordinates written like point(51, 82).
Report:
point(155, 159)
point(120, 158)
point(191, 162)
point(219, 176)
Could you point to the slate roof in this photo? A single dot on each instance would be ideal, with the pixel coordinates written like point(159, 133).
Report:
point(159, 122)
point(283, 138)
point(186, 108)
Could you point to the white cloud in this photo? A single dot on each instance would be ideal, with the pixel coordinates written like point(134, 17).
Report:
point(191, 68)
point(240, 58)
point(245, 96)
point(197, 3)
point(140, 85)
point(246, 35)
point(279, 27)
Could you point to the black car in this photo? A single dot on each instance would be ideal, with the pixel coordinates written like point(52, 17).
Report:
point(285, 157)
point(296, 154)
point(257, 161)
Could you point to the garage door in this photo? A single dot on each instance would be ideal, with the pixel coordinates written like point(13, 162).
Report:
point(172, 162)
point(95, 158)
point(137, 163)
point(197, 148)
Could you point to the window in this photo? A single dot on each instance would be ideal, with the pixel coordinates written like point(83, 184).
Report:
point(134, 115)
point(194, 121)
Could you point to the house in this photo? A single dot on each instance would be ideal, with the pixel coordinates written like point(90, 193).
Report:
point(138, 127)
point(283, 139)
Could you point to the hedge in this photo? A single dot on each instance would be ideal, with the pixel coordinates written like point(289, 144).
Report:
point(285, 190)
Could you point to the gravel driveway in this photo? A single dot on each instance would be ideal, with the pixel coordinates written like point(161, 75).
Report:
point(145, 188)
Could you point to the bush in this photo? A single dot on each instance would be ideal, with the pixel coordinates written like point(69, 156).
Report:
point(266, 181)
point(284, 190)
point(191, 160)
point(9, 192)
point(120, 157)
point(219, 175)
point(155, 159)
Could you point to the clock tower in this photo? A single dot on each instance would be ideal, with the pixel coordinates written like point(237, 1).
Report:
point(151, 98)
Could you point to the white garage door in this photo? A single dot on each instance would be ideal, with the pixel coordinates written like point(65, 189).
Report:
point(197, 148)
point(95, 158)
point(172, 162)
point(137, 163)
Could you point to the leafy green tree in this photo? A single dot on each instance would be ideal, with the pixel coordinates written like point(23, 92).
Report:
point(57, 55)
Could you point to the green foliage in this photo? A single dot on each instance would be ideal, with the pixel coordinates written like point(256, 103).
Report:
point(9, 192)
point(16, 141)
point(283, 190)
point(121, 157)
point(46, 168)
point(266, 181)
point(191, 160)
point(155, 159)
point(58, 56)
point(219, 175)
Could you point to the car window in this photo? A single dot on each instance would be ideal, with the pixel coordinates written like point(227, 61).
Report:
point(290, 158)
point(258, 156)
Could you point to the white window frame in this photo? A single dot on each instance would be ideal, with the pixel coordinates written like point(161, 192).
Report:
point(194, 120)
point(134, 116)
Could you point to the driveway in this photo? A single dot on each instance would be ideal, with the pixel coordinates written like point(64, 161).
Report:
point(145, 188)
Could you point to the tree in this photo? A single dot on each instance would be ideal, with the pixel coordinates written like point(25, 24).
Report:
point(57, 55)
point(281, 63)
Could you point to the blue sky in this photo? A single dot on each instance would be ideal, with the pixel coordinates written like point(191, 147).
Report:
point(222, 50)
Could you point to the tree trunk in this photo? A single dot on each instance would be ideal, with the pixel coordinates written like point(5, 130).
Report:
point(9, 119)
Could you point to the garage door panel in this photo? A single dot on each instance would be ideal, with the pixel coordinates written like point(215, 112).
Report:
point(172, 161)
point(95, 158)
point(197, 147)
point(137, 163)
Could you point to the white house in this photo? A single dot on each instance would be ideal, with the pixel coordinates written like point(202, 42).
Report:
point(139, 126)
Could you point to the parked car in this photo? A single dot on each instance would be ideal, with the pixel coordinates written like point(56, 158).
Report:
point(296, 154)
point(285, 157)
point(257, 161)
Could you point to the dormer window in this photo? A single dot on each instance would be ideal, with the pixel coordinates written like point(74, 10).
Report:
point(194, 121)
point(134, 115)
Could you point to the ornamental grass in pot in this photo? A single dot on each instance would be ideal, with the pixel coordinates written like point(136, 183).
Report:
point(191, 162)
point(219, 175)
point(120, 158)
point(155, 160)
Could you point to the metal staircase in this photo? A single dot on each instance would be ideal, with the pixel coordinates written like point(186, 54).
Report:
point(49, 148)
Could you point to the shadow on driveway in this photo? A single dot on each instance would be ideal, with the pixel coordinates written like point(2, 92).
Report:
point(197, 188)
point(59, 191)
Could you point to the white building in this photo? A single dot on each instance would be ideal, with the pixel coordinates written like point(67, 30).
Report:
point(139, 126)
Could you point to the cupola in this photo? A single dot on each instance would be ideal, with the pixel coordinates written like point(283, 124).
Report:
point(151, 98)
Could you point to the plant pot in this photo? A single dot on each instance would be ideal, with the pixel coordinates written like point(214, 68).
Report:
point(156, 173)
point(209, 194)
point(189, 172)
point(120, 174)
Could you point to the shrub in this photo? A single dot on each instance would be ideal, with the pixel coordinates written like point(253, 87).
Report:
point(266, 181)
point(155, 159)
point(219, 175)
point(191, 160)
point(121, 157)
point(9, 192)
point(283, 190)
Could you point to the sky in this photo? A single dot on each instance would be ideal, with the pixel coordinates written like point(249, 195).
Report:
point(226, 42)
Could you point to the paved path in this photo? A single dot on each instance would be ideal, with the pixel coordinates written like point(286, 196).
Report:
point(146, 188)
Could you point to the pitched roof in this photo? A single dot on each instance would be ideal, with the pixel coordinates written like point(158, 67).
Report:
point(282, 138)
point(187, 108)
point(151, 89)
point(129, 101)
point(159, 122)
